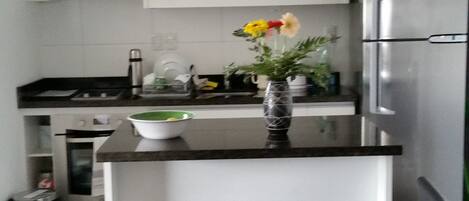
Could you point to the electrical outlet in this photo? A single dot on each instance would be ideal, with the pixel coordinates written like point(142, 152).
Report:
point(157, 42)
point(171, 41)
point(164, 41)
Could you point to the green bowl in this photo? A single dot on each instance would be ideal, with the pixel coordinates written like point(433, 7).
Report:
point(155, 124)
point(162, 116)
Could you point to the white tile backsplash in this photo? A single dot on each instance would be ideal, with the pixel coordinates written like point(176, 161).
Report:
point(191, 25)
point(61, 23)
point(206, 57)
point(237, 52)
point(112, 60)
point(235, 18)
point(115, 22)
point(62, 61)
point(93, 37)
point(108, 60)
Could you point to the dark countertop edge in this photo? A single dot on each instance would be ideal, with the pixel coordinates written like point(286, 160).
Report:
point(173, 102)
point(249, 154)
point(26, 92)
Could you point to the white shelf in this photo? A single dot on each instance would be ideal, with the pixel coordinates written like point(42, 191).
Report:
point(233, 3)
point(40, 153)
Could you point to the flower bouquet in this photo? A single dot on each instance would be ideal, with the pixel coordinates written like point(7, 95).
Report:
point(274, 58)
point(279, 62)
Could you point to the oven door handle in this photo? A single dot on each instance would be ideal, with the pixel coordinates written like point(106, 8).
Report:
point(85, 133)
point(80, 140)
point(85, 140)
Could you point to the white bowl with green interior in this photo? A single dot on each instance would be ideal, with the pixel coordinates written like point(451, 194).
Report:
point(161, 124)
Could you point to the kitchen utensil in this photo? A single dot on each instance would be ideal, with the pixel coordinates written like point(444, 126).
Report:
point(171, 65)
point(149, 79)
point(172, 70)
point(161, 124)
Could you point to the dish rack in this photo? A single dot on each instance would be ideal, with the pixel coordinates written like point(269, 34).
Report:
point(167, 90)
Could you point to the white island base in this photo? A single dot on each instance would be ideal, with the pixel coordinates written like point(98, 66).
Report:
point(356, 178)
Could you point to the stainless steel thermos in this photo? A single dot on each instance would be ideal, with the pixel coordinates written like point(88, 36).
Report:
point(135, 71)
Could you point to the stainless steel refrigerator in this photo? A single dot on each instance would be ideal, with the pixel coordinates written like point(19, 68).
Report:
point(414, 86)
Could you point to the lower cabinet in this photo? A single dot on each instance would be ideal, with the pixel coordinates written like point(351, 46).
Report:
point(47, 154)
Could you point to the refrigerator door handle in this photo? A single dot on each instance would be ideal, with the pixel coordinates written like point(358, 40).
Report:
point(372, 60)
point(448, 38)
point(371, 19)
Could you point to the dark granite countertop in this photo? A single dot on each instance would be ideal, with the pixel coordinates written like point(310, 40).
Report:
point(27, 95)
point(247, 139)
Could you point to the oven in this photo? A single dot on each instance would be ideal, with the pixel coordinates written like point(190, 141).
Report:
point(77, 175)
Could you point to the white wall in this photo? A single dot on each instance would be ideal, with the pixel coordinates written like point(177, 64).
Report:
point(20, 64)
point(93, 37)
point(288, 179)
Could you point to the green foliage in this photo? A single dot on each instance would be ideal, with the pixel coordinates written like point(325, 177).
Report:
point(466, 181)
point(288, 63)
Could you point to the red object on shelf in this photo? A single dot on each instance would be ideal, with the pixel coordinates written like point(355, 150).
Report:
point(46, 181)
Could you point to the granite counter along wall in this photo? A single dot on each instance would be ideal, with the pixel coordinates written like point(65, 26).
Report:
point(92, 38)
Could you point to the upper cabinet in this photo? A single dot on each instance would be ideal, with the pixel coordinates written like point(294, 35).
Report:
point(233, 3)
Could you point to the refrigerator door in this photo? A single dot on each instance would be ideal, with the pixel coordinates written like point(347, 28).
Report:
point(413, 19)
point(427, 192)
point(421, 88)
point(441, 118)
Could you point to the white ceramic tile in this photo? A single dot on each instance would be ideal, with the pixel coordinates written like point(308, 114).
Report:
point(115, 21)
point(207, 57)
point(314, 19)
point(61, 22)
point(191, 25)
point(237, 52)
point(112, 27)
point(113, 60)
point(61, 61)
point(235, 18)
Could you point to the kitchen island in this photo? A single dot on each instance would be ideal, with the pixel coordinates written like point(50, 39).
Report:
point(326, 158)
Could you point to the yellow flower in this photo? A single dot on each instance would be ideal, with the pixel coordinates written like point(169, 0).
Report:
point(256, 28)
point(290, 26)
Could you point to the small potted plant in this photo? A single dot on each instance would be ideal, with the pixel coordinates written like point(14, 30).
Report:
point(279, 62)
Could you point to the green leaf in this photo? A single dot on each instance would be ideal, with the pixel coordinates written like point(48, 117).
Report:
point(279, 67)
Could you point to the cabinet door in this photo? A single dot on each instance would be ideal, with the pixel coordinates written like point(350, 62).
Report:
point(233, 3)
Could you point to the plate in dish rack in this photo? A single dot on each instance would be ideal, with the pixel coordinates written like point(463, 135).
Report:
point(171, 65)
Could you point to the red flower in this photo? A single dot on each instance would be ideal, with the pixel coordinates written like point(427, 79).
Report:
point(275, 23)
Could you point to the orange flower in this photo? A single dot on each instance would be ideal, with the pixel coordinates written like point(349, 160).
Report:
point(290, 26)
